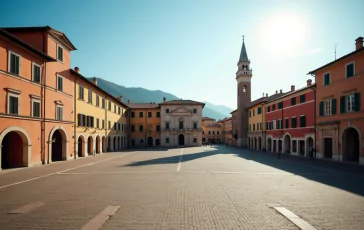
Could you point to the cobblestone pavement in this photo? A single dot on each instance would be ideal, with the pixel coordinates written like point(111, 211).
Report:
point(189, 188)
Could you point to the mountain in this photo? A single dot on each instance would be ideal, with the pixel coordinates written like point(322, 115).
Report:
point(141, 95)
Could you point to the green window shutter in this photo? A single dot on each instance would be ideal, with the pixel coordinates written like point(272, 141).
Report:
point(268, 108)
point(321, 108)
point(350, 70)
point(333, 106)
point(356, 101)
point(342, 104)
point(287, 123)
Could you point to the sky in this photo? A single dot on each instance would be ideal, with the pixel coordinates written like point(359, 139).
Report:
point(190, 48)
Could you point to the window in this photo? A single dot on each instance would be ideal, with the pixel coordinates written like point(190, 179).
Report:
point(89, 96)
point(253, 127)
point(158, 128)
point(167, 140)
point(109, 123)
point(79, 119)
point(167, 110)
point(97, 100)
point(14, 63)
point(302, 98)
point(35, 108)
point(250, 128)
point(280, 105)
point(13, 103)
point(141, 128)
point(97, 123)
point(59, 83)
point(167, 125)
point(36, 73)
point(194, 140)
point(209, 132)
point(273, 107)
point(293, 101)
point(132, 128)
point(250, 113)
point(260, 125)
point(103, 103)
point(140, 114)
point(303, 121)
point(181, 124)
point(328, 107)
point(119, 126)
point(149, 114)
point(158, 114)
point(132, 114)
point(268, 108)
point(114, 108)
point(280, 124)
point(81, 92)
point(218, 132)
point(103, 124)
point(119, 110)
point(294, 122)
point(203, 132)
point(213, 132)
point(59, 53)
point(114, 126)
point(274, 124)
point(59, 114)
point(352, 102)
point(260, 110)
point(194, 110)
point(253, 112)
point(294, 145)
point(350, 70)
point(109, 106)
point(327, 79)
point(195, 125)
point(287, 123)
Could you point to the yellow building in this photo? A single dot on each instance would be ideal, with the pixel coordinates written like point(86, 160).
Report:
point(256, 112)
point(145, 124)
point(227, 130)
point(211, 131)
point(100, 121)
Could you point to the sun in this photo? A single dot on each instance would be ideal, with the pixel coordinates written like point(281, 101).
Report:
point(283, 33)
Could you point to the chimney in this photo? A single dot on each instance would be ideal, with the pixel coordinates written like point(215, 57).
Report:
point(164, 99)
point(266, 95)
point(77, 69)
point(94, 80)
point(276, 91)
point(309, 82)
point(121, 98)
point(292, 88)
point(359, 43)
point(280, 91)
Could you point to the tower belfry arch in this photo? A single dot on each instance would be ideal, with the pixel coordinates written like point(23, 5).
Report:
point(243, 79)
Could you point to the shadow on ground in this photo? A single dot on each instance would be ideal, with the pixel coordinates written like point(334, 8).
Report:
point(347, 177)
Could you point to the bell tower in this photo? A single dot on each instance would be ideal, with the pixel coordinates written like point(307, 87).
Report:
point(243, 79)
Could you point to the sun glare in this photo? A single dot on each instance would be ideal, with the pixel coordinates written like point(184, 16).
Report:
point(283, 33)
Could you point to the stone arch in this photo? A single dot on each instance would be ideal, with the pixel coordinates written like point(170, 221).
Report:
point(109, 144)
point(26, 146)
point(309, 143)
point(255, 142)
point(259, 143)
point(115, 143)
point(90, 145)
point(64, 143)
point(269, 144)
point(98, 144)
point(81, 146)
point(351, 144)
point(103, 141)
point(150, 141)
point(286, 144)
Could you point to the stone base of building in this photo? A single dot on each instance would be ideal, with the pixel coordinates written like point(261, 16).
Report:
point(361, 160)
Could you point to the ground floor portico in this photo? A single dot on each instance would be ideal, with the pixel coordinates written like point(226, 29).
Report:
point(255, 141)
point(185, 138)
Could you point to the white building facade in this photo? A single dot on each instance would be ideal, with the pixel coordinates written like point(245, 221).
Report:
point(181, 123)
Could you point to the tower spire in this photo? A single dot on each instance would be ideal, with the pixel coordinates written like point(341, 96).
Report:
point(243, 53)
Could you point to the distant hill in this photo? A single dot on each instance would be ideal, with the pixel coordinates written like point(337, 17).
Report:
point(141, 95)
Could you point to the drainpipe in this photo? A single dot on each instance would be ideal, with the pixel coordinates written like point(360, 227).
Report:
point(337, 146)
point(74, 120)
point(314, 114)
point(263, 139)
point(106, 124)
point(44, 106)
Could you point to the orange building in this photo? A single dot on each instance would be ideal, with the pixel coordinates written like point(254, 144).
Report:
point(211, 131)
point(144, 124)
point(340, 107)
point(227, 130)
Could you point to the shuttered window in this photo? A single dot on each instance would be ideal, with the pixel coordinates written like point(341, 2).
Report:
point(36, 73)
point(14, 64)
point(350, 70)
point(294, 122)
point(13, 105)
point(80, 119)
point(333, 106)
point(327, 79)
point(302, 121)
point(293, 101)
point(259, 110)
point(287, 123)
point(302, 98)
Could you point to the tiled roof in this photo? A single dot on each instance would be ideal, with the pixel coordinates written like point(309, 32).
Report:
point(57, 33)
point(182, 102)
point(225, 119)
point(234, 111)
point(99, 88)
point(213, 125)
point(265, 99)
point(143, 106)
point(207, 118)
point(25, 45)
point(293, 92)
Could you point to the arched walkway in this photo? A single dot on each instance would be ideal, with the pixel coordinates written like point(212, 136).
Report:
point(103, 144)
point(157, 142)
point(269, 144)
point(115, 144)
point(181, 139)
point(109, 144)
point(249, 142)
point(150, 141)
point(16, 148)
point(81, 146)
point(255, 142)
point(118, 144)
point(122, 142)
point(259, 143)
point(351, 145)
point(98, 150)
point(90, 145)
point(287, 144)
point(133, 142)
point(58, 144)
point(309, 143)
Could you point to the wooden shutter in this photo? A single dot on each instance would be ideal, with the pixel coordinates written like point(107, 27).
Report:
point(333, 106)
point(342, 104)
point(321, 108)
point(79, 116)
point(356, 101)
